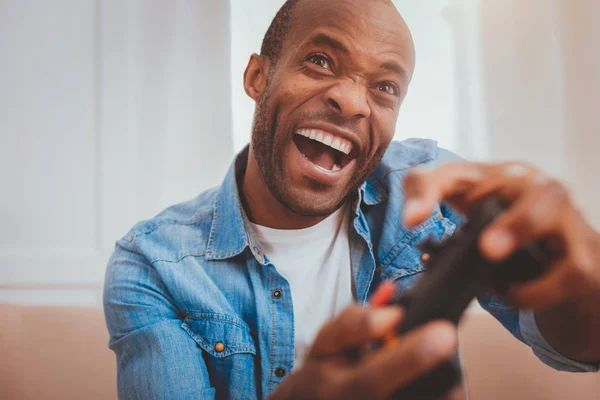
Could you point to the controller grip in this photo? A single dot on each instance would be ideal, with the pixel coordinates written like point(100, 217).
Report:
point(454, 275)
point(434, 384)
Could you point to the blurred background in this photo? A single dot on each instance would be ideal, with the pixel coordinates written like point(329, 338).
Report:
point(112, 110)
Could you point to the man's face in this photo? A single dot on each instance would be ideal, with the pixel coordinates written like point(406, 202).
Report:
point(330, 106)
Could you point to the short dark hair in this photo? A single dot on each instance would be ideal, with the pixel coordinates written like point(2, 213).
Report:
point(278, 30)
point(280, 26)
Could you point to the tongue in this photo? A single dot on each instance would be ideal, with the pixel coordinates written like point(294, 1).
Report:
point(316, 152)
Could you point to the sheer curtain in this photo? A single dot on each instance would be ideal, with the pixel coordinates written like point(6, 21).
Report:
point(109, 112)
point(528, 75)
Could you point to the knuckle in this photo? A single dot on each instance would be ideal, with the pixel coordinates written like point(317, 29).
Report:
point(418, 357)
point(456, 394)
point(525, 165)
point(319, 380)
point(517, 169)
point(357, 386)
point(350, 314)
point(414, 180)
point(353, 316)
point(332, 384)
point(539, 299)
point(440, 339)
point(527, 220)
point(580, 263)
point(555, 188)
point(352, 322)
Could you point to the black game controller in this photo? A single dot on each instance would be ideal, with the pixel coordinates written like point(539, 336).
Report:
point(454, 275)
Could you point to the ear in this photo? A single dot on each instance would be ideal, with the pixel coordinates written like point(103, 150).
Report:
point(255, 76)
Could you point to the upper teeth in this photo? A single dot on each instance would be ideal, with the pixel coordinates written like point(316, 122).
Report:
point(328, 139)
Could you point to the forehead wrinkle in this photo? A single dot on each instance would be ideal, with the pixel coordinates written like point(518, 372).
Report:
point(343, 15)
point(320, 39)
point(394, 67)
point(360, 30)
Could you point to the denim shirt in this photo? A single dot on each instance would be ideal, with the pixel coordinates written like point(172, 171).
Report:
point(189, 301)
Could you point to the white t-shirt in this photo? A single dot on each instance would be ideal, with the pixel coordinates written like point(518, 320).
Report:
point(316, 263)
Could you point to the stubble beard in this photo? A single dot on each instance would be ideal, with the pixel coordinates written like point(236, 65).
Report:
point(268, 149)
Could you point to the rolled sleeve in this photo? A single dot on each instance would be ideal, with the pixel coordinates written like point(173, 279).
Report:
point(546, 353)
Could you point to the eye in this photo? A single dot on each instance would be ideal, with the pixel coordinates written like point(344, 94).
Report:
point(388, 87)
point(319, 60)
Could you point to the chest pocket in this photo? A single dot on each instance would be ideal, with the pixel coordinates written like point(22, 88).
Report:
point(228, 351)
point(405, 261)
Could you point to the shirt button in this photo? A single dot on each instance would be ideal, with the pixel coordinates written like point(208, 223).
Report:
point(279, 372)
point(256, 250)
point(425, 257)
point(219, 347)
point(277, 294)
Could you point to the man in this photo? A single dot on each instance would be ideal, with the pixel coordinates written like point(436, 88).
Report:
point(255, 289)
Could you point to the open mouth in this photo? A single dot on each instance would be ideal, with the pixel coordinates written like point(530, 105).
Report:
point(325, 150)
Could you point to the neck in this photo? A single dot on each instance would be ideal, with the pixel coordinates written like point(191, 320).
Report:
point(265, 209)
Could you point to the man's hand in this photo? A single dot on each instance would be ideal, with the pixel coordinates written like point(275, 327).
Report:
point(566, 298)
point(338, 367)
point(541, 208)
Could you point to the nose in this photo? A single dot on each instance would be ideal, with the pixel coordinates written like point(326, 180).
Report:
point(349, 99)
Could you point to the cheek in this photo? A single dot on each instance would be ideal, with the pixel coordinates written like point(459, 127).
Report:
point(384, 128)
point(298, 88)
point(291, 98)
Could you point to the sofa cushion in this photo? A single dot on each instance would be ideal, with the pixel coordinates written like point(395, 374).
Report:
point(61, 353)
point(55, 353)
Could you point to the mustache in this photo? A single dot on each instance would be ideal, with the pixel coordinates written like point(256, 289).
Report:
point(349, 124)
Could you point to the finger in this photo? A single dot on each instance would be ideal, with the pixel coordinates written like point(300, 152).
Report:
point(458, 393)
point(565, 280)
point(541, 212)
point(413, 355)
point(570, 276)
point(425, 189)
point(355, 327)
point(558, 284)
point(508, 180)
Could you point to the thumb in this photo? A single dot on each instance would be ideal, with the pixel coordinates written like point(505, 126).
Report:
point(353, 328)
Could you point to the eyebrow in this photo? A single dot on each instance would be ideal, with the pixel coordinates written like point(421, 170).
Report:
point(393, 67)
point(322, 39)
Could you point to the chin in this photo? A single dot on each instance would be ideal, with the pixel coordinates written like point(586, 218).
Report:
point(312, 204)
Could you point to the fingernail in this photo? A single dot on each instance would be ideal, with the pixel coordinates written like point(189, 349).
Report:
point(383, 317)
point(383, 294)
point(456, 394)
point(498, 243)
point(412, 208)
point(439, 341)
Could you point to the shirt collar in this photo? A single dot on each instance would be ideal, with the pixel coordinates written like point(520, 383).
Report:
point(372, 192)
point(228, 235)
point(230, 231)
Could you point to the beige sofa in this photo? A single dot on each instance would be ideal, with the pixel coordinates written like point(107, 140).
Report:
point(61, 353)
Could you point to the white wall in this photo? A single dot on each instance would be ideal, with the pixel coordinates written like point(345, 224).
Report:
point(110, 111)
point(580, 52)
point(530, 88)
